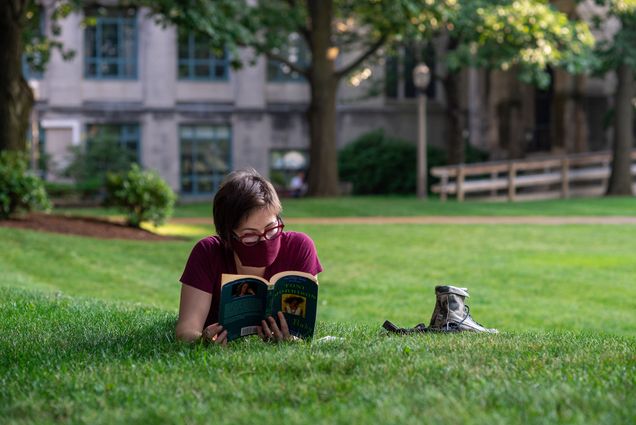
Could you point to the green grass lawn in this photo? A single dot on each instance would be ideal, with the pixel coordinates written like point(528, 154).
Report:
point(365, 206)
point(86, 331)
point(67, 360)
point(575, 277)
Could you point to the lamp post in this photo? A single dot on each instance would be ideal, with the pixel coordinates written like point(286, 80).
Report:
point(421, 78)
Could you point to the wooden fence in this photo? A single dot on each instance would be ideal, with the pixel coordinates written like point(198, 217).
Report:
point(547, 178)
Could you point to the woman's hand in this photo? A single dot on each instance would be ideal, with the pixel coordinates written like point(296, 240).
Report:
point(215, 334)
point(269, 330)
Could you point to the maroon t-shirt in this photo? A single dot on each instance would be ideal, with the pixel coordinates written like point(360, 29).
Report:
point(210, 258)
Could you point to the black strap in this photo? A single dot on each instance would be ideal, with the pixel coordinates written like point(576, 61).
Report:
point(419, 328)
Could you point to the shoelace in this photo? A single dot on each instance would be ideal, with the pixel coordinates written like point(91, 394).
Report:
point(457, 325)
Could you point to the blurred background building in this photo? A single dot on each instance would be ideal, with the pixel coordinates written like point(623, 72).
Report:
point(177, 105)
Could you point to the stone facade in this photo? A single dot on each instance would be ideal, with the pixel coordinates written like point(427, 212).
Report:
point(262, 116)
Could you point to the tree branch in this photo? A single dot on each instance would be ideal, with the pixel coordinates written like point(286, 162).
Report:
point(294, 67)
point(364, 56)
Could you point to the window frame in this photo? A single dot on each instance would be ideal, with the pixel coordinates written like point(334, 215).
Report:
point(120, 61)
point(192, 175)
point(124, 136)
point(191, 61)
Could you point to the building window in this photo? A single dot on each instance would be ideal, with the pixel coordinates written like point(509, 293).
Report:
point(297, 53)
point(110, 45)
point(205, 157)
point(122, 138)
point(399, 72)
point(198, 60)
point(285, 164)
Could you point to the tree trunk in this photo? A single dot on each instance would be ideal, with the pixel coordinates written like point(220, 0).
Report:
point(323, 167)
point(455, 120)
point(16, 97)
point(620, 182)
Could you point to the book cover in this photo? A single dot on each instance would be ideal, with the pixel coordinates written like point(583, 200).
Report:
point(246, 300)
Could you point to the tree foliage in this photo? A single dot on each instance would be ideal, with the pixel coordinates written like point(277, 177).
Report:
point(91, 162)
point(376, 164)
point(527, 34)
point(141, 195)
point(19, 189)
point(39, 44)
point(532, 34)
point(523, 36)
point(620, 48)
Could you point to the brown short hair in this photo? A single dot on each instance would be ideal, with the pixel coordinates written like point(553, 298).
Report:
point(241, 193)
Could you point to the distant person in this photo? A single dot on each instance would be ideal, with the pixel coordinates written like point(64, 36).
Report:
point(250, 240)
point(297, 185)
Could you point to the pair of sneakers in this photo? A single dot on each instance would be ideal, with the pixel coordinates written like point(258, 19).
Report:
point(451, 314)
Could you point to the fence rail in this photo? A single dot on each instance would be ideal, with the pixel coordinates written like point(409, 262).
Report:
point(584, 174)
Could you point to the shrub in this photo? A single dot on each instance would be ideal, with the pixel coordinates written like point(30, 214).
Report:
point(142, 195)
point(59, 190)
point(19, 189)
point(91, 162)
point(473, 154)
point(376, 164)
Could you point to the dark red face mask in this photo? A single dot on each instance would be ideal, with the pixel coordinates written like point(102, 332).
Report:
point(262, 254)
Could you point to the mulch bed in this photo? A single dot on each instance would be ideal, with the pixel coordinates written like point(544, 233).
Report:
point(83, 226)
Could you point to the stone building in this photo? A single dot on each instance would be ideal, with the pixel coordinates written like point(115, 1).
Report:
point(178, 107)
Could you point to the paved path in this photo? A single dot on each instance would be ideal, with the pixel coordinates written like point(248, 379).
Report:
point(439, 220)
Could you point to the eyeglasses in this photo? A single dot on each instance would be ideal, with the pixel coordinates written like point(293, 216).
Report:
point(253, 238)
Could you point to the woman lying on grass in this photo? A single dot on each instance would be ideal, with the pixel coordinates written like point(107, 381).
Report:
point(250, 240)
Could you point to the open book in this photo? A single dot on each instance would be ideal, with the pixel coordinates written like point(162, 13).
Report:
point(246, 300)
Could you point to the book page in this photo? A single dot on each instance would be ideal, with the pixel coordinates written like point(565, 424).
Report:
point(242, 305)
point(277, 276)
point(228, 278)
